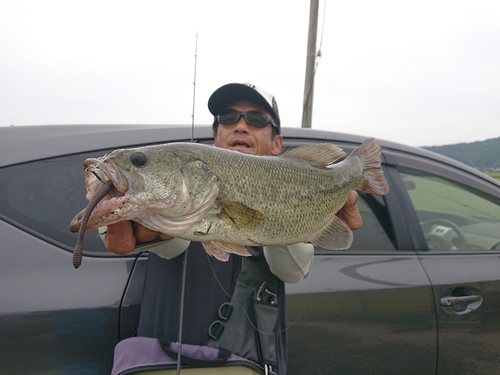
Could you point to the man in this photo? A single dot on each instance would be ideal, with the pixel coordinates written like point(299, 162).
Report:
point(237, 305)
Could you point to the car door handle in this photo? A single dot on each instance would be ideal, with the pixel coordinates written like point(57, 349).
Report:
point(464, 300)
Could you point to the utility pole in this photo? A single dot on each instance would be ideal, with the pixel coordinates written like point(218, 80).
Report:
point(310, 65)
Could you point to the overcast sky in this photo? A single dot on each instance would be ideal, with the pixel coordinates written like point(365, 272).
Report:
point(417, 72)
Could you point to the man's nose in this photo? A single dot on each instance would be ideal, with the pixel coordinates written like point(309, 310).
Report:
point(241, 125)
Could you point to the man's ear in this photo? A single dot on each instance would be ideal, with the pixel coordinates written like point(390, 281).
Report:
point(277, 145)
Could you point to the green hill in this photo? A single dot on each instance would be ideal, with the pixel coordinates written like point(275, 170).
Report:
point(483, 155)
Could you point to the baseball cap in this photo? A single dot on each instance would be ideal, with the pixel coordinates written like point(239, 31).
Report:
point(232, 92)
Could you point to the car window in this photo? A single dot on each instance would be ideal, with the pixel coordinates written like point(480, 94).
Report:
point(453, 216)
point(376, 232)
point(43, 196)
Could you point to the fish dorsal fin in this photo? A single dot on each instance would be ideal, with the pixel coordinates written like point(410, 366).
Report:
point(337, 236)
point(240, 216)
point(322, 153)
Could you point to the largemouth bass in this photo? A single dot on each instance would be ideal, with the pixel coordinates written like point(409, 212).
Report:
point(227, 199)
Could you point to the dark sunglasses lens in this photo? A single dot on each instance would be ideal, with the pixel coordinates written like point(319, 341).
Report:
point(229, 117)
point(256, 118)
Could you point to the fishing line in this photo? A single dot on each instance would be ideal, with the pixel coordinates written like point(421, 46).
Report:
point(184, 262)
point(124, 294)
point(321, 39)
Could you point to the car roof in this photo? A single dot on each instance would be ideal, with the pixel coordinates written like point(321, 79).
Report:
point(19, 144)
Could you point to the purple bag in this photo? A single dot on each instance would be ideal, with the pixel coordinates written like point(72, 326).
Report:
point(136, 354)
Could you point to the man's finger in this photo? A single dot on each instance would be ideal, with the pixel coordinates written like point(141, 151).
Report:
point(143, 234)
point(350, 213)
point(120, 237)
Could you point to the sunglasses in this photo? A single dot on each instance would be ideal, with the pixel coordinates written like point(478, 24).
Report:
point(253, 118)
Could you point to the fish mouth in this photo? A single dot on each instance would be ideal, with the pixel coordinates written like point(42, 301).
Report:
point(108, 209)
point(103, 170)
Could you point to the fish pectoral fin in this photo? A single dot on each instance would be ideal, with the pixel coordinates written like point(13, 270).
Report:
point(240, 216)
point(337, 236)
point(221, 250)
point(322, 153)
point(215, 251)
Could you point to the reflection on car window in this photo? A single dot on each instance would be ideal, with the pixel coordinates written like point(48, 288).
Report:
point(43, 196)
point(453, 217)
point(376, 232)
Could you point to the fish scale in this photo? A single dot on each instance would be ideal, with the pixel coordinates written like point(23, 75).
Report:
point(295, 195)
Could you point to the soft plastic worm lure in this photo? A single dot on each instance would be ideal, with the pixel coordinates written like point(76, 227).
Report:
point(98, 196)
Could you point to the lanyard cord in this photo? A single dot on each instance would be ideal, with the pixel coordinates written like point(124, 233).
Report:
point(181, 318)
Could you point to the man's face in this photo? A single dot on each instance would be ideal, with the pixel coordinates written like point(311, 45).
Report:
point(246, 138)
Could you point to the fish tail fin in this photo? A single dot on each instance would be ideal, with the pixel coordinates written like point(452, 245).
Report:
point(370, 156)
point(375, 182)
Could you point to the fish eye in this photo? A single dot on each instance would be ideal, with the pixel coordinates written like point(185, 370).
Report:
point(139, 159)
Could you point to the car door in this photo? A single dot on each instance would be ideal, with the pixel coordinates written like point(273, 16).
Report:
point(457, 224)
point(369, 309)
point(54, 319)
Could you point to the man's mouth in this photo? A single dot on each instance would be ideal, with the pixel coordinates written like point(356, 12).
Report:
point(240, 143)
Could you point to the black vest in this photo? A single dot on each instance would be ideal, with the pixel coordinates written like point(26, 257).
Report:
point(237, 305)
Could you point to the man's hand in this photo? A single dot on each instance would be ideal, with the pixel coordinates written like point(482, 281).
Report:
point(350, 213)
point(122, 237)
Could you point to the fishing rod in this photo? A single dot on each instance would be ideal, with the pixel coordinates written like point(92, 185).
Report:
point(184, 262)
point(194, 86)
